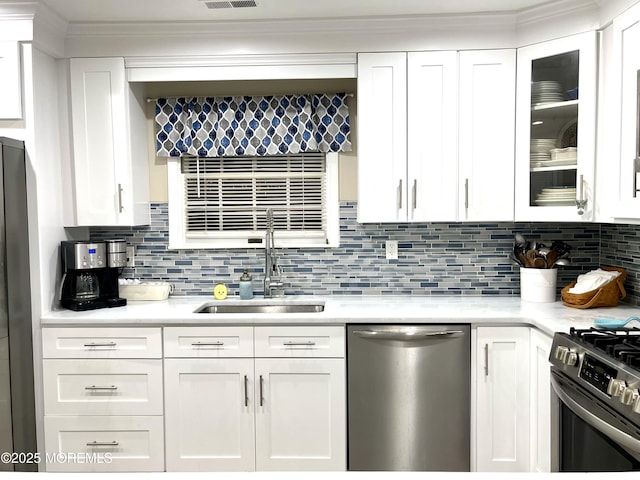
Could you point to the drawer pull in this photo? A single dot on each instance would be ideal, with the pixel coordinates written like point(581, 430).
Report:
point(207, 344)
point(299, 344)
point(101, 387)
point(103, 344)
point(102, 444)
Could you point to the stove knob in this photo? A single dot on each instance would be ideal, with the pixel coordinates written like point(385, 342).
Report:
point(561, 352)
point(571, 358)
point(629, 396)
point(636, 405)
point(616, 387)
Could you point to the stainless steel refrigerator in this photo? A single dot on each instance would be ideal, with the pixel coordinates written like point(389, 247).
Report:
point(17, 401)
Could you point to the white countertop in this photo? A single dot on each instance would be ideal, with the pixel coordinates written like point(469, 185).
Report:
point(338, 310)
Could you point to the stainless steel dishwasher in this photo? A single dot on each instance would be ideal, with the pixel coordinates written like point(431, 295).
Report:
point(409, 397)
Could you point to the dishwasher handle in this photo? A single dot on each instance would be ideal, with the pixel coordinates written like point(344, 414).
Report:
point(408, 335)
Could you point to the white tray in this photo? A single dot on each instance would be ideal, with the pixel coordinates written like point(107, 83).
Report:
point(146, 291)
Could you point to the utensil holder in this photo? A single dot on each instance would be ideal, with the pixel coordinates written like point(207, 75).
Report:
point(538, 284)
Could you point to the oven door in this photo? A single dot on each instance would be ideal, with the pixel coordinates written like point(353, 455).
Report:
point(591, 437)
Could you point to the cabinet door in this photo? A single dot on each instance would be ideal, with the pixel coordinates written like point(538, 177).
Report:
point(109, 141)
point(10, 81)
point(627, 64)
point(502, 399)
point(540, 402)
point(300, 414)
point(487, 135)
point(209, 414)
point(432, 99)
point(555, 129)
point(382, 137)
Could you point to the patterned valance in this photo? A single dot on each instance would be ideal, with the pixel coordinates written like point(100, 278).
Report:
point(268, 125)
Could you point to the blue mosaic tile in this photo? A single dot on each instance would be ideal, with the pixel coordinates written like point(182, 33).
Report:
point(433, 258)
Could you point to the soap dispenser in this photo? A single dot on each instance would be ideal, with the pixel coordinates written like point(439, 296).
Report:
point(246, 285)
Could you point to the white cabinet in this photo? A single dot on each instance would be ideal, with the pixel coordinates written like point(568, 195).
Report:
point(435, 128)
point(502, 399)
point(280, 408)
point(382, 137)
point(103, 397)
point(209, 414)
point(623, 89)
point(110, 162)
point(540, 402)
point(10, 81)
point(555, 129)
point(486, 135)
point(301, 414)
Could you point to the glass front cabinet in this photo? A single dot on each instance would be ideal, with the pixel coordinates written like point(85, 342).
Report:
point(556, 130)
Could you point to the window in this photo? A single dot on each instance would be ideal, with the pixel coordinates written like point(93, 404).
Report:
point(221, 202)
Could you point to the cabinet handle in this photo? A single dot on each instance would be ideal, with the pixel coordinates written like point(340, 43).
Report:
point(101, 387)
point(246, 391)
point(581, 202)
point(486, 359)
point(102, 444)
point(415, 193)
point(97, 344)
point(207, 344)
point(261, 391)
point(400, 195)
point(466, 194)
point(298, 344)
point(120, 206)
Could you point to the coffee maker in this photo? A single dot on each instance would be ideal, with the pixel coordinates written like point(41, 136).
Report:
point(90, 274)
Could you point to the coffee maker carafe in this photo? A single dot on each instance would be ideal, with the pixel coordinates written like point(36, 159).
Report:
point(90, 274)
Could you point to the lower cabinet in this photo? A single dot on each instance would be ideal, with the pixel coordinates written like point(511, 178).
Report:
point(103, 400)
point(540, 402)
point(282, 408)
point(502, 399)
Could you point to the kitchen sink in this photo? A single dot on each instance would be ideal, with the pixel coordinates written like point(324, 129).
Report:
point(284, 307)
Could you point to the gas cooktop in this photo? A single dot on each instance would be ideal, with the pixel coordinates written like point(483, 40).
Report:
point(622, 344)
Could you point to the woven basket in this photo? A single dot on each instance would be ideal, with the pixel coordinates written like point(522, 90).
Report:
point(608, 295)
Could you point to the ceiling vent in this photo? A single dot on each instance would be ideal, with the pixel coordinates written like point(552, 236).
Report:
point(231, 4)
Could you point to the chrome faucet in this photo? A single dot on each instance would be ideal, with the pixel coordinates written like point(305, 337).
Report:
point(273, 285)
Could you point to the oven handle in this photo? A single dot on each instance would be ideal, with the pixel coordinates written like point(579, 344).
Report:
point(618, 436)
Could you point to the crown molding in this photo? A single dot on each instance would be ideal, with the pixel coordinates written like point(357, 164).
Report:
point(555, 9)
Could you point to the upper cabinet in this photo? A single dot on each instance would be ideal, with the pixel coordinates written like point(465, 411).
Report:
point(10, 81)
point(111, 177)
point(434, 128)
point(555, 133)
point(624, 117)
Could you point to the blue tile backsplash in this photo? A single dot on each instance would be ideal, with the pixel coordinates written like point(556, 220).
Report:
point(433, 258)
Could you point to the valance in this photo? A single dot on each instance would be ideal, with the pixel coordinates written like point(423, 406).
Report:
point(246, 125)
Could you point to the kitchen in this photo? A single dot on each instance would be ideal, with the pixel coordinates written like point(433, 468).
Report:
point(462, 259)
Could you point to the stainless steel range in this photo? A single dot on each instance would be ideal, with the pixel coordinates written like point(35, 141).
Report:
point(595, 374)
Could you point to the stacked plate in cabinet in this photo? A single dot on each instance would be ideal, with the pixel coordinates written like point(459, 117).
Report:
point(540, 151)
point(556, 197)
point(546, 91)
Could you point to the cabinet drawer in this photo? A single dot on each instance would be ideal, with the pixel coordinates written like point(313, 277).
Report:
point(103, 387)
point(104, 444)
point(208, 342)
point(299, 341)
point(101, 343)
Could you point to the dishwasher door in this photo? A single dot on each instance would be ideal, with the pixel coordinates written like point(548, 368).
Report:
point(409, 397)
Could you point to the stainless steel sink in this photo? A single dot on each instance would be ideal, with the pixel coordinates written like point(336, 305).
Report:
point(213, 307)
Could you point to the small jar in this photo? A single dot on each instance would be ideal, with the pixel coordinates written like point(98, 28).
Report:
point(246, 286)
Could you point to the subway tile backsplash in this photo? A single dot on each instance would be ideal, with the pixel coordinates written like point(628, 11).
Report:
point(433, 258)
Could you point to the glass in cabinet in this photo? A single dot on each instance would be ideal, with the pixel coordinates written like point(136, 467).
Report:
point(555, 133)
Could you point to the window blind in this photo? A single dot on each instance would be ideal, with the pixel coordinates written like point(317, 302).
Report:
point(231, 194)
